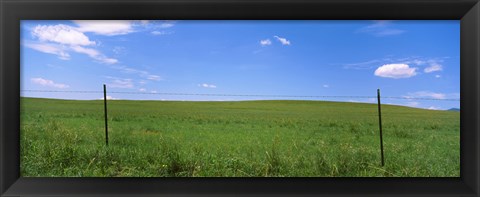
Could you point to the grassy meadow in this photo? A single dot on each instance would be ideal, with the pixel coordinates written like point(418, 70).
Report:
point(66, 138)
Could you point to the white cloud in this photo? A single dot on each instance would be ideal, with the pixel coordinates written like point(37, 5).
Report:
point(159, 33)
point(142, 90)
point(120, 83)
point(326, 86)
point(166, 24)
point(108, 98)
point(395, 71)
point(62, 34)
point(105, 27)
point(284, 41)
point(369, 100)
point(438, 76)
point(48, 83)
point(207, 85)
point(426, 94)
point(141, 73)
point(412, 104)
point(94, 54)
point(51, 49)
point(122, 27)
point(107, 60)
point(153, 91)
point(67, 38)
point(433, 108)
point(154, 77)
point(414, 60)
point(62, 51)
point(155, 24)
point(418, 62)
point(131, 70)
point(265, 42)
point(432, 63)
point(90, 52)
point(380, 28)
point(433, 67)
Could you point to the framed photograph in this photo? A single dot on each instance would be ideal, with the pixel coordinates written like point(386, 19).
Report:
point(191, 98)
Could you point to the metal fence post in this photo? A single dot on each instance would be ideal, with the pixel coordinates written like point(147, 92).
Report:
point(380, 125)
point(105, 104)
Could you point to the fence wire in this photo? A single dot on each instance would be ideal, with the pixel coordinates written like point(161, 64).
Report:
point(241, 95)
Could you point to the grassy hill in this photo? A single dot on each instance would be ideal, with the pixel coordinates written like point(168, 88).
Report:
point(242, 138)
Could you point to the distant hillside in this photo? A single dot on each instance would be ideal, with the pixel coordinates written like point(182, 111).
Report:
point(453, 109)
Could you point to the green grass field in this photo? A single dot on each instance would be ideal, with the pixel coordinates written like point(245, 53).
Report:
point(65, 138)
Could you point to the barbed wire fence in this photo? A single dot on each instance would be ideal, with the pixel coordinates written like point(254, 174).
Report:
point(377, 98)
point(241, 95)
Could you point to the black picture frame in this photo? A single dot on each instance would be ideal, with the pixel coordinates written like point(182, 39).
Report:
point(12, 11)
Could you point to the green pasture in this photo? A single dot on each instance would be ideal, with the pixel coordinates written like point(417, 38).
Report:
point(281, 138)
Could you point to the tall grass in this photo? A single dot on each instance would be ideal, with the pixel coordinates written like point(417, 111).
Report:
point(235, 139)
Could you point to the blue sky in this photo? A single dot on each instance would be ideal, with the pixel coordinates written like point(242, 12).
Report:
point(406, 59)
